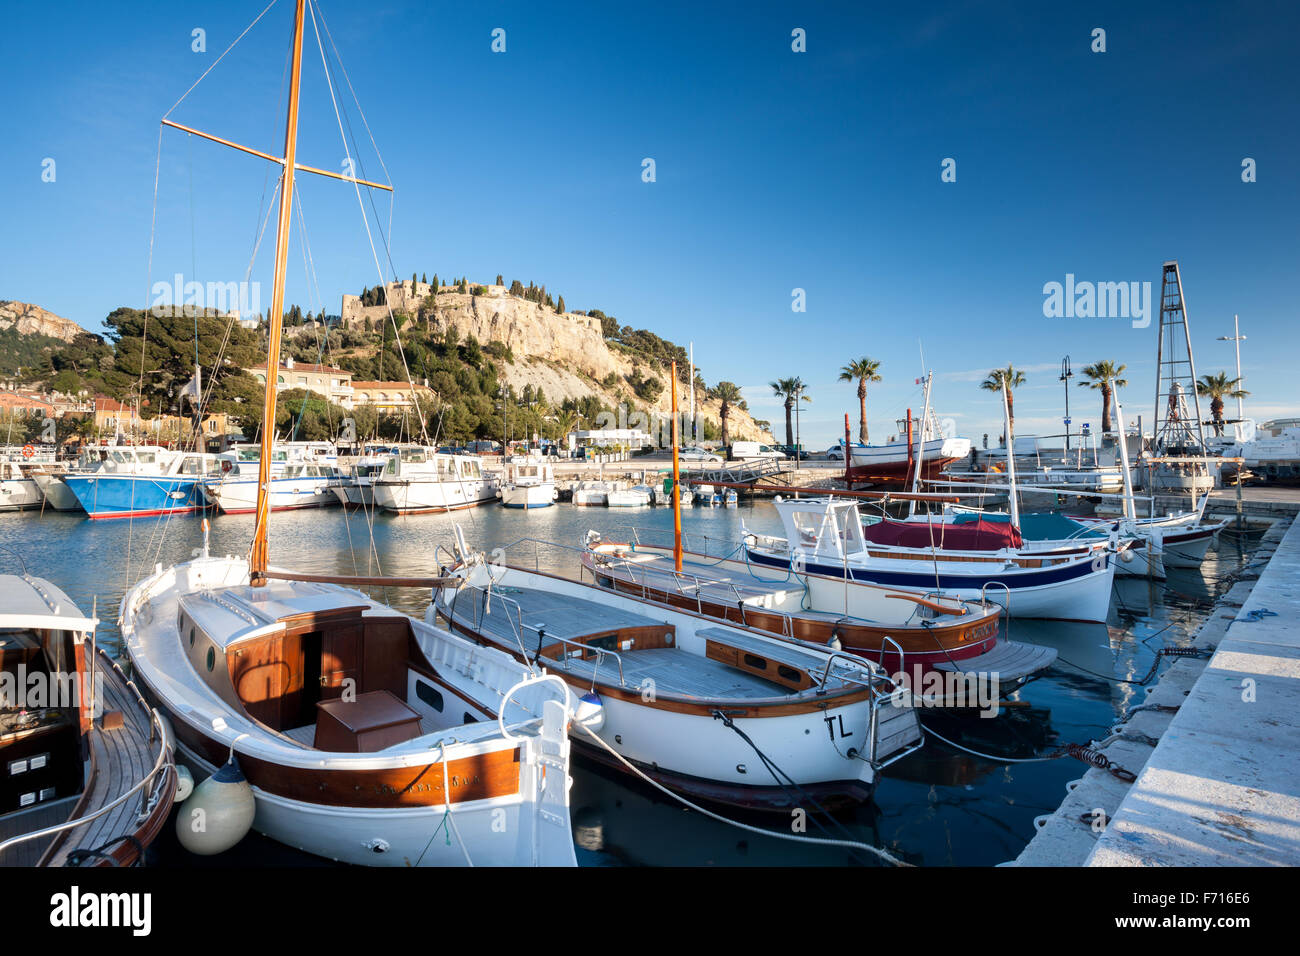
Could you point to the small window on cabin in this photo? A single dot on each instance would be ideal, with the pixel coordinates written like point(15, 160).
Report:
point(191, 637)
point(469, 718)
point(753, 661)
point(429, 694)
point(212, 658)
point(789, 673)
point(146, 457)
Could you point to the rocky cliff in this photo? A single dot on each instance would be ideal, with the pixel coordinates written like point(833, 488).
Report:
point(565, 354)
point(33, 320)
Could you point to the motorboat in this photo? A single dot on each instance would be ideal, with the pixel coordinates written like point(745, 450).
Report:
point(637, 496)
point(824, 537)
point(419, 480)
point(529, 482)
point(89, 775)
point(141, 481)
point(302, 482)
point(591, 493)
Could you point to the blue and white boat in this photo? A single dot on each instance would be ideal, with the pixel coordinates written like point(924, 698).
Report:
point(824, 538)
point(142, 480)
point(299, 479)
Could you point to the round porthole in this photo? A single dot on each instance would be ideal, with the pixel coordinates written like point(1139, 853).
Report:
point(212, 657)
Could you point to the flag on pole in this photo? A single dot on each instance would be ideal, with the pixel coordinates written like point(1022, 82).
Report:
point(193, 388)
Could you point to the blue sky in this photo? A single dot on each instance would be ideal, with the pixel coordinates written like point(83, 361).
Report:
point(775, 170)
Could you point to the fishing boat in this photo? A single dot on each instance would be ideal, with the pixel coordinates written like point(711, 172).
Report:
point(529, 482)
point(696, 705)
point(135, 481)
point(329, 721)
point(899, 630)
point(895, 464)
point(419, 480)
point(824, 538)
point(89, 775)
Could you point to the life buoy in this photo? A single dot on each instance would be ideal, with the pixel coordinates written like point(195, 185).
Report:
point(28, 451)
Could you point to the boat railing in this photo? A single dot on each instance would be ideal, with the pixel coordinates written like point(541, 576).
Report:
point(518, 626)
point(528, 682)
point(148, 787)
point(600, 652)
point(876, 674)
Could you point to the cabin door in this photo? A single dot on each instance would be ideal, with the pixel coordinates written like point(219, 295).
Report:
point(340, 662)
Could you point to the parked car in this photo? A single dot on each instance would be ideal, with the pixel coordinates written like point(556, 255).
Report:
point(791, 450)
point(695, 453)
point(835, 453)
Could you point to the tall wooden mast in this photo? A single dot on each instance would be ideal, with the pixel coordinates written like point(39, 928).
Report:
point(677, 478)
point(258, 554)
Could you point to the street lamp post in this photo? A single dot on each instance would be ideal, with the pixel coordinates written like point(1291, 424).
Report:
point(1066, 375)
point(1236, 338)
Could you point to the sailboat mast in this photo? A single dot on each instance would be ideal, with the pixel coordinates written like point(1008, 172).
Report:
point(258, 554)
point(677, 488)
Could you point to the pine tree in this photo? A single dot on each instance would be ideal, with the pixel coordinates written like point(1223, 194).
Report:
point(560, 305)
point(435, 283)
point(500, 281)
point(424, 278)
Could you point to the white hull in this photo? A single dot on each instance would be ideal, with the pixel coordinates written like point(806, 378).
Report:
point(699, 752)
point(412, 496)
point(57, 494)
point(629, 498)
point(490, 832)
point(535, 815)
point(529, 496)
point(239, 496)
point(895, 453)
point(19, 494)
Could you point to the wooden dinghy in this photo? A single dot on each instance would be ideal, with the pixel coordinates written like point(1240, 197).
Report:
point(88, 771)
point(698, 706)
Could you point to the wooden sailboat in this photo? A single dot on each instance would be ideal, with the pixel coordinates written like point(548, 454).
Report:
point(702, 707)
point(363, 735)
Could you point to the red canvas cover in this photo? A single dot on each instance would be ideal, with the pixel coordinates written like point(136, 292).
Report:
point(978, 535)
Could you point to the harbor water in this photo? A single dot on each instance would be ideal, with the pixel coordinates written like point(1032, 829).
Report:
point(939, 806)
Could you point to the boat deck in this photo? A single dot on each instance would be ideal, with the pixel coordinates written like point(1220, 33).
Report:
point(708, 580)
point(559, 618)
point(1010, 661)
point(121, 758)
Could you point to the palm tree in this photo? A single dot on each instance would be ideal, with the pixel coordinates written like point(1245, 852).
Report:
point(728, 393)
point(1013, 379)
point(1100, 375)
point(1217, 388)
point(565, 422)
point(864, 370)
point(785, 388)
